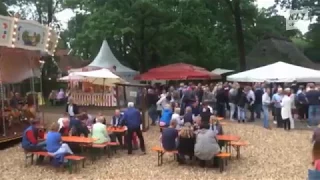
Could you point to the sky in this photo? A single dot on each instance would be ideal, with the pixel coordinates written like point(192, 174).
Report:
point(67, 14)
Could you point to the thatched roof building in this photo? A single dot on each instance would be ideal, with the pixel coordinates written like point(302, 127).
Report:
point(273, 49)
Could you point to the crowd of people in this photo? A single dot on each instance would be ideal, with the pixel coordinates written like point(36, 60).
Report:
point(240, 102)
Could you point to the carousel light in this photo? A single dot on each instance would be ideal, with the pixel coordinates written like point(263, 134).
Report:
point(15, 26)
point(13, 46)
point(13, 39)
point(16, 19)
point(47, 45)
point(48, 39)
point(41, 62)
point(14, 33)
point(49, 34)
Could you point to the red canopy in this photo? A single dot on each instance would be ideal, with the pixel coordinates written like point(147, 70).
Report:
point(177, 67)
point(178, 71)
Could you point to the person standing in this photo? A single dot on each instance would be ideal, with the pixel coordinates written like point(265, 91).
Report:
point(302, 104)
point(132, 119)
point(152, 104)
point(258, 92)
point(251, 99)
point(313, 96)
point(266, 100)
point(276, 100)
point(286, 114)
point(241, 103)
point(232, 100)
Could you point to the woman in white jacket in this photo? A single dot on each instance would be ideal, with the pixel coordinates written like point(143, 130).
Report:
point(286, 107)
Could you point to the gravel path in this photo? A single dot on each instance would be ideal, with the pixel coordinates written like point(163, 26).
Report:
point(272, 154)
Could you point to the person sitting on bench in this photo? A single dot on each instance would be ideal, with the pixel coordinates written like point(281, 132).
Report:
point(117, 121)
point(30, 138)
point(30, 142)
point(55, 147)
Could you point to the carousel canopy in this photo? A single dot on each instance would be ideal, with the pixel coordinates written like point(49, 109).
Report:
point(106, 59)
point(100, 77)
point(178, 71)
point(277, 72)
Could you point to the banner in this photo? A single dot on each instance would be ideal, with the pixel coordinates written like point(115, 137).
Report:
point(53, 42)
point(6, 31)
point(31, 35)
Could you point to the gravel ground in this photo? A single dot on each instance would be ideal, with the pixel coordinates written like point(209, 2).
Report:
point(272, 154)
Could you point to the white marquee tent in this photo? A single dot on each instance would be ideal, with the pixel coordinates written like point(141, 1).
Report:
point(100, 77)
point(106, 59)
point(220, 71)
point(277, 72)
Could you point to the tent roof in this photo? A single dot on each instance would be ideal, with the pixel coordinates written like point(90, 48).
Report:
point(277, 72)
point(106, 59)
point(178, 71)
point(177, 67)
point(221, 71)
point(273, 49)
point(100, 77)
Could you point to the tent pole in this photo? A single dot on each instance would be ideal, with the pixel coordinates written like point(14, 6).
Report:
point(2, 101)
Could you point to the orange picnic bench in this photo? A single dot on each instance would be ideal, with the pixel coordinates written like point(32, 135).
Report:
point(223, 157)
point(72, 159)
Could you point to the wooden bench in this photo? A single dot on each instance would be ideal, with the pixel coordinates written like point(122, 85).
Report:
point(237, 145)
point(223, 160)
point(100, 148)
point(161, 152)
point(28, 155)
point(109, 146)
point(72, 159)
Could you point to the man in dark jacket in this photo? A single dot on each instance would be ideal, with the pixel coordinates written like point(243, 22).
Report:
point(152, 99)
point(313, 96)
point(132, 119)
point(258, 92)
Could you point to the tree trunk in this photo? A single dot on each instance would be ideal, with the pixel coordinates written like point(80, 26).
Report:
point(240, 37)
point(142, 47)
point(50, 11)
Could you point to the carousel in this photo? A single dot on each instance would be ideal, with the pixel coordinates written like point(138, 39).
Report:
point(22, 43)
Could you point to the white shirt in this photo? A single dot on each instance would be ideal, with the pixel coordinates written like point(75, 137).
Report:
point(177, 117)
point(70, 110)
point(60, 122)
point(251, 96)
point(266, 100)
point(286, 107)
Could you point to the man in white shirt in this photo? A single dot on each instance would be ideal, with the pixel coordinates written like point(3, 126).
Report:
point(286, 109)
point(251, 98)
point(266, 100)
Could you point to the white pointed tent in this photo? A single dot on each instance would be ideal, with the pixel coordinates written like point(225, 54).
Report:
point(106, 59)
point(277, 72)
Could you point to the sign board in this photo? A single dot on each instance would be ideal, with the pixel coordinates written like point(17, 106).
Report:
point(294, 17)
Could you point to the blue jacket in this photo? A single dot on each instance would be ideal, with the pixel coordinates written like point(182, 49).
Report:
point(166, 116)
point(132, 118)
point(53, 141)
point(26, 144)
point(120, 120)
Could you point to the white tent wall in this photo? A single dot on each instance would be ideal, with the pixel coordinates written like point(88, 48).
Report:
point(277, 72)
point(106, 59)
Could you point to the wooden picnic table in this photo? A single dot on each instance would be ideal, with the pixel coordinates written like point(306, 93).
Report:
point(76, 139)
point(228, 139)
point(116, 129)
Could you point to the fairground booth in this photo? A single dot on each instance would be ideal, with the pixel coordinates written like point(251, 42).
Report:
point(94, 85)
point(21, 45)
